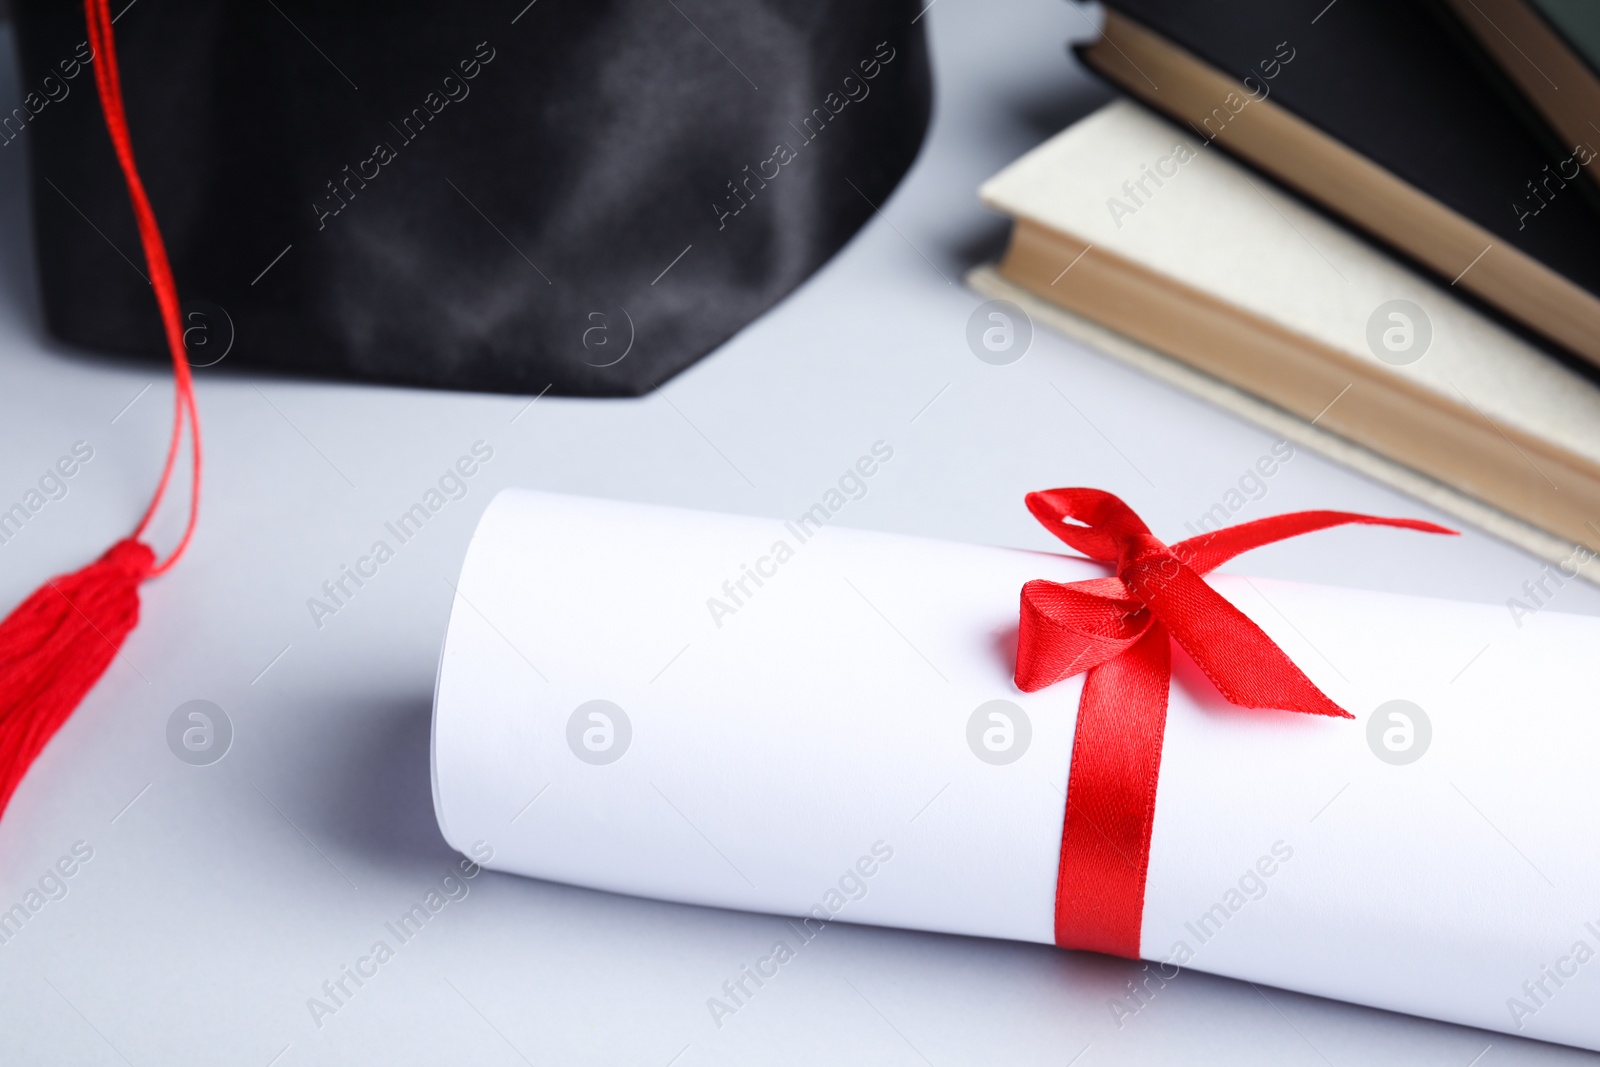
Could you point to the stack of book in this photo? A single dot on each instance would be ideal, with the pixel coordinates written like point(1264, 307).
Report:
point(1370, 225)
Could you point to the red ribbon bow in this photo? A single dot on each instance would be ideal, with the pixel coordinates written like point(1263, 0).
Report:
point(1117, 630)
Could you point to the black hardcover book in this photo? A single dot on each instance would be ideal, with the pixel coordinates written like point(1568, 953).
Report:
point(1388, 81)
point(1538, 53)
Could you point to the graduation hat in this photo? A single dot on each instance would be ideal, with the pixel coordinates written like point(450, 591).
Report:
point(502, 197)
point(556, 195)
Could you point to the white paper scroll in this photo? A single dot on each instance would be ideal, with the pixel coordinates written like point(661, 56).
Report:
point(791, 719)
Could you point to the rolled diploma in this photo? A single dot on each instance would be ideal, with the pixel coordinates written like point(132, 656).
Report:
point(783, 743)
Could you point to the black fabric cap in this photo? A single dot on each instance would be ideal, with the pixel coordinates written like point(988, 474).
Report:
point(493, 197)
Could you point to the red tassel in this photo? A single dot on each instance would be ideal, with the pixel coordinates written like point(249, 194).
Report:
point(55, 646)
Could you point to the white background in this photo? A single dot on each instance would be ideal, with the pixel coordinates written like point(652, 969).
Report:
point(223, 897)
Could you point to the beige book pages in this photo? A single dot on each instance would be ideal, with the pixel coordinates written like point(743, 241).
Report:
point(1138, 225)
point(988, 281)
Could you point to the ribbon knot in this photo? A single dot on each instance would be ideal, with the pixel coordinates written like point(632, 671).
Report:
point(1118, 631)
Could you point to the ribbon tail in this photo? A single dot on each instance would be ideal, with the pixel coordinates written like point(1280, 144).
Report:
point(1236, 654)
point(1211, 550)
point(1111, 800)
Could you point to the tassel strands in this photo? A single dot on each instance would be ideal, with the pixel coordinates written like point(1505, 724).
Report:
point(58, 642)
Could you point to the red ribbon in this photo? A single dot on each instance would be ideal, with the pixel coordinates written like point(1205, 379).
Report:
point(1117, 630)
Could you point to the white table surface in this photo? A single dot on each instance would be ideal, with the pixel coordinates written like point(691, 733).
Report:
point(220, 898)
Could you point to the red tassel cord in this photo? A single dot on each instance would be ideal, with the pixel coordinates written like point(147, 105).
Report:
point(57, 643)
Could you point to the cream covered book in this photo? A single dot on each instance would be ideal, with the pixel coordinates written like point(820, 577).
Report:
point(1144, 230)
